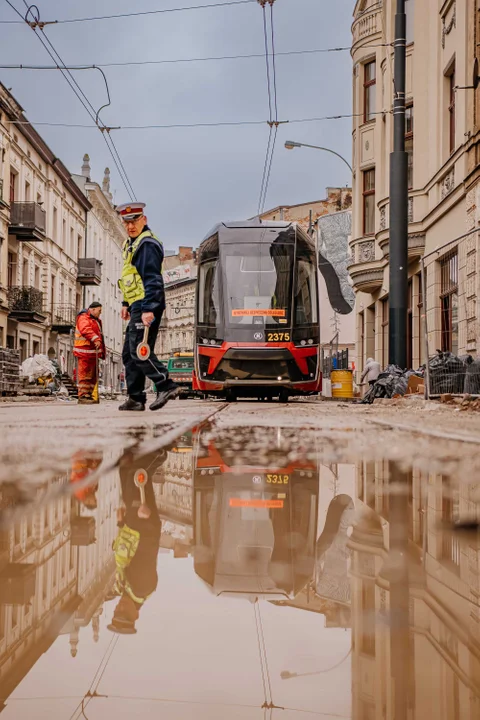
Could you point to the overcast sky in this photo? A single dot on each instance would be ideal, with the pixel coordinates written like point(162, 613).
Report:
point(192, 178)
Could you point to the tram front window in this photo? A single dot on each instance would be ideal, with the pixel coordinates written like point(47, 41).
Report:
point(258, 283)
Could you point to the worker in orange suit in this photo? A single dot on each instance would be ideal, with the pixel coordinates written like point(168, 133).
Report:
point(89, 347)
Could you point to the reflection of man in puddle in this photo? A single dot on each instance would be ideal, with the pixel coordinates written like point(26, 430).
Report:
point(137, 543)
point(83, 464)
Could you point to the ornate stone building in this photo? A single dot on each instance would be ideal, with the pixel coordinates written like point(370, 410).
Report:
point(42, 231)
point(103, 249)
point(441, 138)
point(177, 328)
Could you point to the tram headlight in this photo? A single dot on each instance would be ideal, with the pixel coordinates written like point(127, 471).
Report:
point(303, 342)
point(213, 342)
point(205, 341)
point(310, 342)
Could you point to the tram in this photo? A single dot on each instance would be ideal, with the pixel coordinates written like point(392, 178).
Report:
point(257, 325)
point(255, 526)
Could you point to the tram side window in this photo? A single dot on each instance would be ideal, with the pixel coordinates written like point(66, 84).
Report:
point(306, 301)
point(208, 294)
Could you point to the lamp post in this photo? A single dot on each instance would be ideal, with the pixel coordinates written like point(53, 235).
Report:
point(397, 339)
point(290, 145)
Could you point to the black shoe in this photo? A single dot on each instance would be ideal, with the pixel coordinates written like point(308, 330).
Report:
point(130, 404)
point(163, 396)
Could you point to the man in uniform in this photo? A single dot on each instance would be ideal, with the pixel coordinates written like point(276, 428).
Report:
point(89, 347)
point(143, 305)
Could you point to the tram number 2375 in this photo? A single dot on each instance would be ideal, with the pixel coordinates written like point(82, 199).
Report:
point(278, 337)
point(278, 479)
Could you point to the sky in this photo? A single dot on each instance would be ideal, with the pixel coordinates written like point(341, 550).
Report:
point(192, 178)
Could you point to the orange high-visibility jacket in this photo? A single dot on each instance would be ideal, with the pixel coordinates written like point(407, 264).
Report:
point(88, 331)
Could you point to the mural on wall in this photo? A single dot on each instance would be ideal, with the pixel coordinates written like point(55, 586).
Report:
point(333, 233)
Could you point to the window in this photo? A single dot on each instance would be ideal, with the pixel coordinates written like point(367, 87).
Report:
point(13, 186)
point(37, 277)
point(367, 644)
point(449, 302)
point(421, 318)
point(369, 90)
point(369, 202)
point(25, 273)
point(12, 269)
point(409, 143)
point(306, 302)
point(208, 302)
point(450, 541)
point(64, 234)
point(410, 325)
point(27, 191)
point(451, 109)
point(385, 323)
point(55, 224)
point(410, 11)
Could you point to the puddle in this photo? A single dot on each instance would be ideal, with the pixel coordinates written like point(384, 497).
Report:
point(238, 573)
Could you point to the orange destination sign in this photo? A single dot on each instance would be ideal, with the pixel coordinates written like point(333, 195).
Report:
point(258, 313)
point(239, 503)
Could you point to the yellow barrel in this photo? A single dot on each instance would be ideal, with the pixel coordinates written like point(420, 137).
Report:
point(342, 383)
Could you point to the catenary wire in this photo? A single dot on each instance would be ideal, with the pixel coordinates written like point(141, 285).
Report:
point(274, 67)
point(196, 125)
point(173, 61)
point(78, 92)
point(65, 21)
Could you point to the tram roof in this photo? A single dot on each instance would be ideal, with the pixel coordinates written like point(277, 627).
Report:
point(250, 224)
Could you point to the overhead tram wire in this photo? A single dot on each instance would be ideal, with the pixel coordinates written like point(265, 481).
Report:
point(174, 61)
point(238, 123)
point(65, 21)
point(273, 120)
point(77, 90)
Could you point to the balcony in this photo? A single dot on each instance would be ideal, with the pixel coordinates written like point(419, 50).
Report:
point(367, 23)
point(416, 246)
point(63, 319)
point(26, 304)
point(27, 221)
point(366, 272)
point(89, 271)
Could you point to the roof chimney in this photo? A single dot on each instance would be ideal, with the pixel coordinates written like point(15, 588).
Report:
point(86, 166)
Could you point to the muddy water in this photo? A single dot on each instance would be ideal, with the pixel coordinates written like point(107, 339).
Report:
point(238, 574)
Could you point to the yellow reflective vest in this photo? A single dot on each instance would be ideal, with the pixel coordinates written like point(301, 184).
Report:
point(131, 283)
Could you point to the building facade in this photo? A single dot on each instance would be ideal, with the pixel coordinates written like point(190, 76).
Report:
point(103, 248)
point(42, 231)
point(176, 332)
point(441, 138)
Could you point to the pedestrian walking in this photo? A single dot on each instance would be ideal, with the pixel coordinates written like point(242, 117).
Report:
point(89, 347)
point(143, 306)
point(371, 371)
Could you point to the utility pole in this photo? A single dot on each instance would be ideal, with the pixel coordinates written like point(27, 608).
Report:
point(397, 335)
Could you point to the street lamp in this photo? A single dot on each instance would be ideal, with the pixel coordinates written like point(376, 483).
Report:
point(290, 145)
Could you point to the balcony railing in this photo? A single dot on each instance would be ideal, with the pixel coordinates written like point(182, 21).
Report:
point(89, 271)
point(26, 304)
point(27, 221)
point(63, 318)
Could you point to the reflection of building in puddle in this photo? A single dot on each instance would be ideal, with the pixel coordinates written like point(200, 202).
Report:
point(439, 639)
point(173, 487)
point(328, 591)
point(46, 580)
point(255, 524)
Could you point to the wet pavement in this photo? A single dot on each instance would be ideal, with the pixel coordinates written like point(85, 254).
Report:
point(242, 562)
